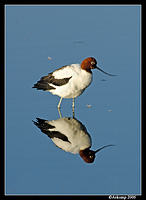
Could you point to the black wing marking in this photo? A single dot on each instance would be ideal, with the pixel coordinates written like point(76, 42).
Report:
point(58, 82)
point(43, 83)
point(46, 128)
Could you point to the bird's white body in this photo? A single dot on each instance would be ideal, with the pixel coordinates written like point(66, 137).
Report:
point(79, 81)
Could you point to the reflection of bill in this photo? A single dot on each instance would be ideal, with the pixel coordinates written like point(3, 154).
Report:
point(70, 135)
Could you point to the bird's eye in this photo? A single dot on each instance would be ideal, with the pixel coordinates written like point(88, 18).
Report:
point(92, 63)
point(90, 156)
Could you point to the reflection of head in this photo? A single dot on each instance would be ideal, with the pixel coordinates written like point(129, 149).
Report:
point(89, 155)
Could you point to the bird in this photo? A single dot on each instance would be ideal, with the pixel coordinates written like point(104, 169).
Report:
point(70, 135)
point(69, 81)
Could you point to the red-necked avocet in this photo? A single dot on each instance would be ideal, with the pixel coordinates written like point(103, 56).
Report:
point(69, 81)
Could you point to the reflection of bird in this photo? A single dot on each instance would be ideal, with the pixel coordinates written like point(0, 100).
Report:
point(70, 135)
point(69, 81)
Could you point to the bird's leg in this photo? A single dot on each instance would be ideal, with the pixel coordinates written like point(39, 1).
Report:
point(59, 113)
point(73, 106)
point(73, 103)
point(59, 103)
point(59, 107)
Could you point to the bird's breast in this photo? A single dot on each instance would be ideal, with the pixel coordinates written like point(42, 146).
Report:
point(79, 80)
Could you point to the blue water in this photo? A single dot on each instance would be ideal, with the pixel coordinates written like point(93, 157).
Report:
point(69, 34)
